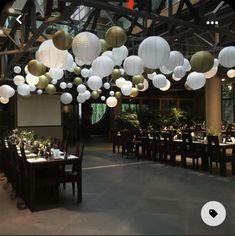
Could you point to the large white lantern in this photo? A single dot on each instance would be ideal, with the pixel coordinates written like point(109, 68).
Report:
point(102, 66)
point(227, 56)
point(126, 89)
point(154, 51)
point(50, 56)
point(167, 87)
point(69, 63)
point(86, 46)
point(66, 98)
point(176, 58)
point(81, 88)
point(159, 81)
point(23, 89)
point(6, 91)
point(94, 82)
point(196, 80)
point(179, 71)
point(133, 65)
point(31, 79)
point(111, 102)
point(56, 73)
point(19, 80)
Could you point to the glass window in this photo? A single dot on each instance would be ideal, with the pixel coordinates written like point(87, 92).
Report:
point(227, 102)
point(168, 104)
point(98, 111)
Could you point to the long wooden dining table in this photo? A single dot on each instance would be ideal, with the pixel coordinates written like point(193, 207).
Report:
point(36, 163)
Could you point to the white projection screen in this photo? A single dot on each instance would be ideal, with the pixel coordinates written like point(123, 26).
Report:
point(39, 110)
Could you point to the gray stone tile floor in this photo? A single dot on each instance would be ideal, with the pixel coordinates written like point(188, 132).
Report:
point(126, 197)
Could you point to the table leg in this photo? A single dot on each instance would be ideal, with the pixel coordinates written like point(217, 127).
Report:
point(223, 163)
point(32, 188)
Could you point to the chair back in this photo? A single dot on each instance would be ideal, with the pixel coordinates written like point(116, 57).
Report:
point(79, 152)
point(213, 147)
point(24, 161)
point(187, 143)
point(168, 142)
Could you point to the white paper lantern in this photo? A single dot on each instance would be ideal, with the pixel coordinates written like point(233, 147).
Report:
point(39, 92)
point(54, 81)
point(227, 56)
point(63, 85)
point(187, 65)
point(175, 78)
point(128, 83)
point(69, 85)
point(111, 102)
point(81, 88)
point(17, 69)
point(126, 90)
point(71, 69)
point(85, 72)
point(111, 93)
point(196, 80)
point(4, 100)
point(80, 99)
point(216, 62)
point(56, 73)
point(102, 66)
point(167, 87)
point(66, 98)
point(159, 81)
point(32, 88)
point(50, 56)
point(179, 71)
point(146, 86)
point(211, 73)
point(26, 69)
point(231, 73)
point(122, 71)
point(120, 82)
point(176, 58)
point(119, 54)
point(107, 85)
point(23, 90)
point(86, 46)
point(150, 76)
point(154, 51)
point(133, 65)
point(19, 80)
point(69, 63)
point(164, 70)
point(94, 82)
point(102, 98)
point(6, 91)
point(31, 79)
point(87, 94)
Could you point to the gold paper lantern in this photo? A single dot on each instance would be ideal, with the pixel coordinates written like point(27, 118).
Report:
point(50, 89)
point(115, 36)
point(43, 82)
point(137, 79)
point(140, 86)
point(118, 94)
point(202, 61)
point(62, 40)
point(78, 80)
point(134, 92)
point(104, 45)
point(48, 76)
point(36, 68)
point(116, 74)
point(148, 70)
point(94, 94)
point(99, 91)
point(77, 70)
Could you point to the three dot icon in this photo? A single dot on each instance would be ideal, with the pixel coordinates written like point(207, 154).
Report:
point(212, 22)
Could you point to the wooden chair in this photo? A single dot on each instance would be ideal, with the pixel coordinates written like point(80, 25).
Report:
point(117, 141)
point(157, 147)
point(127, 143)
point(216, 155)
point(74, 176)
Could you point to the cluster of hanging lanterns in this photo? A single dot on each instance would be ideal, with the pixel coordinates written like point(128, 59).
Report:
point(96, 68)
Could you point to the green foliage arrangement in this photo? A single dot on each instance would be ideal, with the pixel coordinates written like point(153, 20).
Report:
point(127, 120)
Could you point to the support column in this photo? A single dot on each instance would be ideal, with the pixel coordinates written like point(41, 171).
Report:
point(213, 105)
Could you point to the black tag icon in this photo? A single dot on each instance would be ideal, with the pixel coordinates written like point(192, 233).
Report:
point(213, 213)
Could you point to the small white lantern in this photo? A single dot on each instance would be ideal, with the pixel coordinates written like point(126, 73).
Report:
point(187, 65)
point(179, 71)
point(164, 70)
point(39, 92)
point(133, 65)
point(111, 93)
point(126, 90)
point(85, 72)
point(175, 78)
point(19, 80)
point(56, 73)
point(31, 79)
point(120, 82)
point(111, 102)
point(102, 98)
point(159, 81)
point(69, 85)
point(231, 73)
point(94, 82)
point(63, 85)
point(17, 69)
point(167, 87)
point(196, 80)
point(23, 90)
point(54, 81)
point(71, 69)
point(66, 98)
point(227, 56)
point(4, 100)
point(150, 76)
point(6, 91)
point(107, 85)
point(81, 88)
